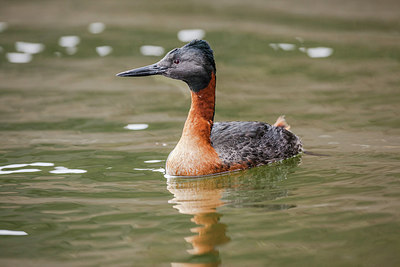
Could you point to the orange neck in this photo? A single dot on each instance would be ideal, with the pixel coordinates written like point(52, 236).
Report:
point(194, 154)
point(201, 114)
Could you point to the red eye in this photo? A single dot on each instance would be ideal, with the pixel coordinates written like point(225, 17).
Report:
point(176, 61)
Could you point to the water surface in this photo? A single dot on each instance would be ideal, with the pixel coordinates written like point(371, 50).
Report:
point(88, 187)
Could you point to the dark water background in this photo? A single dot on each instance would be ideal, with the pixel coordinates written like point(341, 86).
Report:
point(338, 209)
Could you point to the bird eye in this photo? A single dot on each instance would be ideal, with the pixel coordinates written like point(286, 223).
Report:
point(176, 61)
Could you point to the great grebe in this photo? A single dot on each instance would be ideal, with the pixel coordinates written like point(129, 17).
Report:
point(206, 147)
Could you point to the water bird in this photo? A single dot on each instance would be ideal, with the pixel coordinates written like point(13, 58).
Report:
point(206, 147)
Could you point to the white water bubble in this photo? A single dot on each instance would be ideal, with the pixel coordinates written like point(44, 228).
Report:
point(283, 46)
point(104, 50)
point(287, 46)
point(10, 232)
point(64, 170)
point(42, 164)
point(69, 41)
point(153, 161)
point(96, 27)
point(29, 48)
point(162, 170)
point(188, 35)
point(152, 50)
point(319, 52)
point(22, 165)
point(13, 166)
point(3, 26)
point(19, 57)
point(136, 127)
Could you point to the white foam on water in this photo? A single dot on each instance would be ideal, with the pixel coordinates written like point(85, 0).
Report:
point(283, 46)
point(56, 170)
point(287, 46)
point(19, 57)
point(64, 170)
point(152, 50)
point(319, 52)
point(136, 127)
point(29, 48)
point(162, 170)
point(11, 166)
point(188, 35)
point(42, 164)
point(21, 165)
point(153, 161)
point(96, 27)
point(104, 50)
point(10, 232)
point(69, 41)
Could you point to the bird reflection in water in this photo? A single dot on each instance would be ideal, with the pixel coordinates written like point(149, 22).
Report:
point(201, 197)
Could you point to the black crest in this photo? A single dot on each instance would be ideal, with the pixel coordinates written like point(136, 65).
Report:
point(205, 49)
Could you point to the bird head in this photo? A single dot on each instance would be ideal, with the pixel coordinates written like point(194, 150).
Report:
point(192, 63)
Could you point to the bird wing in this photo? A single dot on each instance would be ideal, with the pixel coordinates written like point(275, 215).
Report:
point(253, 143)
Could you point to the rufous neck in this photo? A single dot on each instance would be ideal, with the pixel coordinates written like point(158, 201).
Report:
point(201, 114)
point(203, 101)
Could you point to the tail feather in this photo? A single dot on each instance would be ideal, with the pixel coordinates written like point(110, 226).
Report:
point(281, 122)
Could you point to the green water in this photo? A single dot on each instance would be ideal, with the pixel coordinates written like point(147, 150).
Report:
point(340, 207)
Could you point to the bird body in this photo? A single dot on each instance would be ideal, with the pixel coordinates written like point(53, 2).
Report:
point(206, 147)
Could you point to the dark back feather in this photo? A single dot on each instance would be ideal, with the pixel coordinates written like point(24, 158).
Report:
point(253, 143)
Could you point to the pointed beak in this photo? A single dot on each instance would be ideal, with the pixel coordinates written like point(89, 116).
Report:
point(143, 71)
